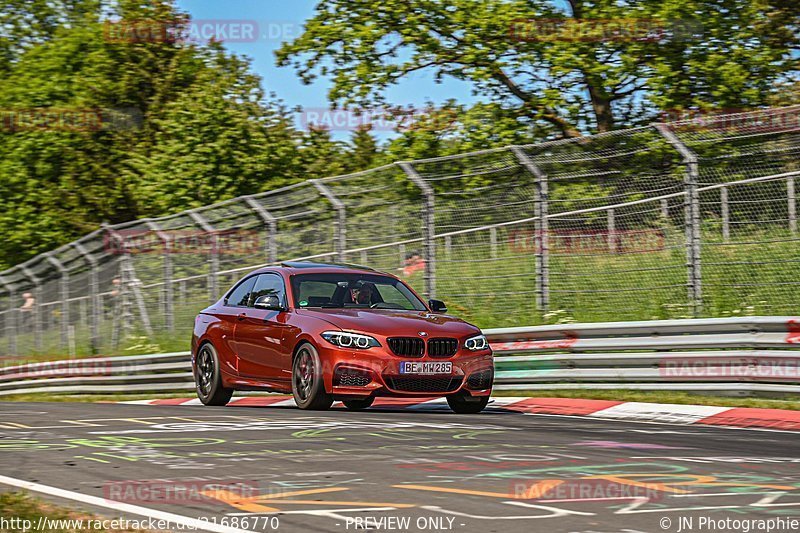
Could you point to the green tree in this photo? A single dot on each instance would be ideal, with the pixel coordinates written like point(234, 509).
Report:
point(218, 139)
point(202, 130)
point(453, 129)
point(320, 155)
point(363, 151)
point(524, 54)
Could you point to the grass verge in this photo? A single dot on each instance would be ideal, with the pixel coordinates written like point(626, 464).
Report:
point(23, 512)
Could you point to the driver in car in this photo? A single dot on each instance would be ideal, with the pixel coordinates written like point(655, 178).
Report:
point(362, 294)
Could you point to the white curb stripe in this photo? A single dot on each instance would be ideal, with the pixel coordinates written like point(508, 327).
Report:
point(195, 401)
point(659, 412)
point(173, 519)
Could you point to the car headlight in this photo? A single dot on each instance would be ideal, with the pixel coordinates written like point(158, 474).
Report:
point(344, 339)
point(476, 343)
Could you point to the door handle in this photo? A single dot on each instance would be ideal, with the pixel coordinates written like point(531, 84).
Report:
point(241, 316)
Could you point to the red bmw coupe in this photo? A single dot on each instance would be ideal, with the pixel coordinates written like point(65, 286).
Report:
point(330, 332)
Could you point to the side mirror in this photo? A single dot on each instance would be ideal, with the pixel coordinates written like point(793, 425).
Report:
point(269, 302)
point(437, 306)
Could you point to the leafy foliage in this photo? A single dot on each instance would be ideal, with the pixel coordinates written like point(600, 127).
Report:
point(551, 64)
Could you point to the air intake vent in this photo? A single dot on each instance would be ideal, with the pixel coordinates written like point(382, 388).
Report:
point(423, 384)
point(351, 377)
point(480, 380)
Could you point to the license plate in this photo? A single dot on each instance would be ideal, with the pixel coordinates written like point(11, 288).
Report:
point(415, 367)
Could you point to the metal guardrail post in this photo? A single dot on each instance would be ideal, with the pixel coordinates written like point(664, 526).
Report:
point(272, 228)
point(340, 225)
point(541, 228)
point(169, 293)
point(692, 216)
point(64, 283)
point(213, 293)
point(37, 318)
point(11, 317)
point(94, 297)
point(428, 227)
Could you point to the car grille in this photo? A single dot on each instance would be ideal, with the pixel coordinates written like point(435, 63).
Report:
point(349, 377)
point(423, 384)
point(442, 347)
point(407, 346)
point(480, 380)
point(413, 347)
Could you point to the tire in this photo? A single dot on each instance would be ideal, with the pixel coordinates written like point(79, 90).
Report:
point(460, 405)
point(358, 404)
point(308, 387)
point(207, 378)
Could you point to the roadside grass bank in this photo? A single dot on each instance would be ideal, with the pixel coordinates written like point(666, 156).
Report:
point(23, 512)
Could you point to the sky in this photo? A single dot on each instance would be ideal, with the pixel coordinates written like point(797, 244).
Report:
point(280, 20)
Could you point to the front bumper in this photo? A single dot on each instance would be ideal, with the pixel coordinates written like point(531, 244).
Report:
point(375, 372)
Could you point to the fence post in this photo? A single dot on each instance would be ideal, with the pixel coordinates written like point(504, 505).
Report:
point(94, 297)
point(790, 192)
point(11, 318)
point(130, 282)
point(691, 216)
point(272, 228)
point(340, 225)
point(612, 231)
point(37, 317)
point(214, 263)
point(541, 228)
point(169, 293)
point(726, 214)
point(64, 283)
point(428, 227)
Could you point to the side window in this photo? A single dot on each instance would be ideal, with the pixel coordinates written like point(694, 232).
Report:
point(267, 284)
point(241, 294)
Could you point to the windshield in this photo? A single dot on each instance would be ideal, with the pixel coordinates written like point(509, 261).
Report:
point(348, 290)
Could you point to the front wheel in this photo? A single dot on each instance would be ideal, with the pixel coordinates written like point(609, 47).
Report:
point(358, 404)
point(308, 387)
point(467, 405)
point(207, 378)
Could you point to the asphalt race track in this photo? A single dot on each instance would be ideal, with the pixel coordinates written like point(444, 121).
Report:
point(282, 469)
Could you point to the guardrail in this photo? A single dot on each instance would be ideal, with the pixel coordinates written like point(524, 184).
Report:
point(726, 355)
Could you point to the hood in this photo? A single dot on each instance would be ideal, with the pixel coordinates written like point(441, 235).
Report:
point(391, 323)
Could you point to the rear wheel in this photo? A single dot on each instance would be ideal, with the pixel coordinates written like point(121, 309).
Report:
point(308, 387)
point(358, 404)
point(467, 404)
point(207, 378)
